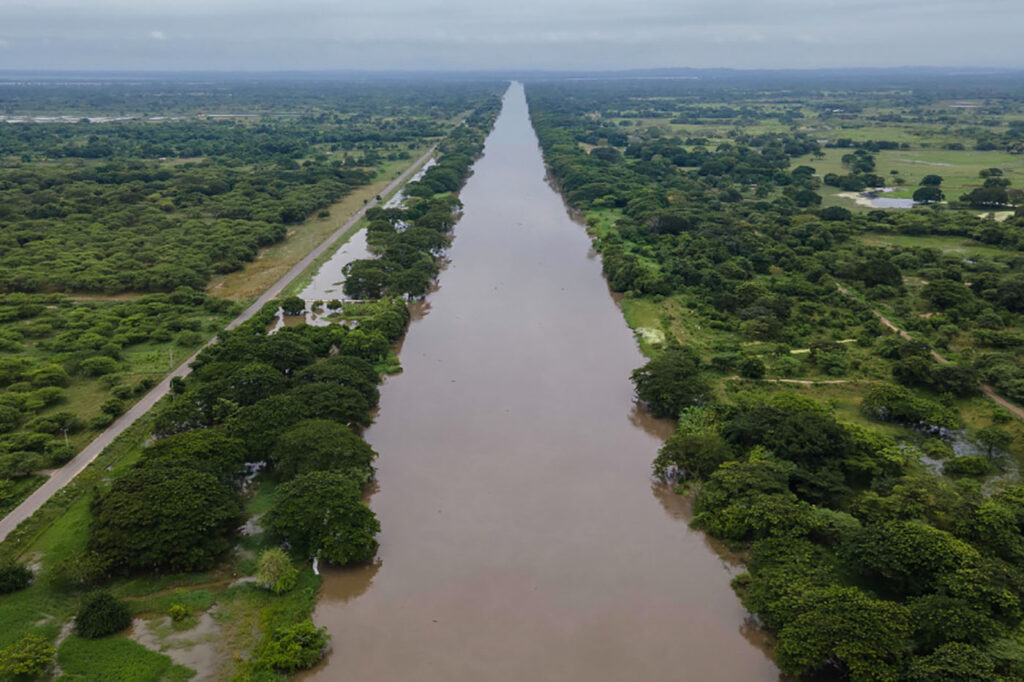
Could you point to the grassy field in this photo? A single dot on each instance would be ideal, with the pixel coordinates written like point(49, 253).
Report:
point(954, 245)
point(958, 169)
point(116, 658)
point(273, 262)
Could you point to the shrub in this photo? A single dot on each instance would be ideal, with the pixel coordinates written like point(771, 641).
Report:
point(101, 421)
point(298, 647)
point(98, 366)
point(178, 612)
point(14, 576)
point(101, 615)
point(27, 658)
point(936, 449)
point(77, 572)
point(276, 572)
point(113, 407)
point(971, 465)
point(122, 392)
point(190, 338)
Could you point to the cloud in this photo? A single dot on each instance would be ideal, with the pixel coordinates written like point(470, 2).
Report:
point(468, 34)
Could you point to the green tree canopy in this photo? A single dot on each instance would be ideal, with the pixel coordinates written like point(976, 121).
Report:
point(172, 518)
point(322, 514)
point(319, 444)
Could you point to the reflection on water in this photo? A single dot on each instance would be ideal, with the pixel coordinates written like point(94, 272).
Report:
point(521, 536)
point(874, 199)
point(329, 281)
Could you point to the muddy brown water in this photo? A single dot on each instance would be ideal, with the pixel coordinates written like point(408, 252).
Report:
point(522, 536)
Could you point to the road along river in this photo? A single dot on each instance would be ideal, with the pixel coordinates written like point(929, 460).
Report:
point(61, 477)
point(522, 537)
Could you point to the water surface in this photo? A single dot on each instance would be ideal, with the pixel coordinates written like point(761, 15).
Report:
point(522, 536)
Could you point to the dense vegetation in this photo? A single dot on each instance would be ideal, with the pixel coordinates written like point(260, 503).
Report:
point(878, 529)
point(407, 241)
point(144, 205)
point(68, 368)
point(159, 191)
point(264, 431)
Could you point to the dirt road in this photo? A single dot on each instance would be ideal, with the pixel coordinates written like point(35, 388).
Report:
point(985, 388)
point(67, 473)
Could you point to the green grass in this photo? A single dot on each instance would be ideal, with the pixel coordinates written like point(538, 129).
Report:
point(958, 169)
point(954, 245)
point(116, 658)
point(18, 490)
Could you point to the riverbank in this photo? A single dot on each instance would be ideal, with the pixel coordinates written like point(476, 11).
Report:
point(521, 536)
point(242, 614)
point(809, 375)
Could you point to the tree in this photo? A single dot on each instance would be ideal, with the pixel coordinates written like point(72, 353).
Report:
point(671, 382)
point(365, 279)
point(925, 195)
point(907, 557)
point(319, 445)
point(841, 627)
point(953, 662)
point(993, 438)
point(931, 181)
point(14, 576)
point(208, 450)
point(986, 197)
point(275, 571)
point(253, 382)
point(171, 518)
point(296, 647)
point(101, 615)
point(293, 305)
point(752, 367)
point(27, 658)
point(322, 514)
point(697, 455)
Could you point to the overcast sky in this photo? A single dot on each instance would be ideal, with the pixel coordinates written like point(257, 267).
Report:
point(506, 34)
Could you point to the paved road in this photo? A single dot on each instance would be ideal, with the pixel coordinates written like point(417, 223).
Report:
point(67, 473)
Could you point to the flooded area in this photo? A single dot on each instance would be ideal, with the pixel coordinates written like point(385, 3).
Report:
point(199, 646)
point(328, 281)
point(876, 198)
point(523, 538)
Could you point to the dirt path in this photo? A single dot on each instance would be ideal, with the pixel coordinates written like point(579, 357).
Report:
point(61, 477)
point(985, 388)
point(800, 382)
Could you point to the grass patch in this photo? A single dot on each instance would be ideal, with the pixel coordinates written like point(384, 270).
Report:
point(955, 245)
point(16, 490)
point(116, 658)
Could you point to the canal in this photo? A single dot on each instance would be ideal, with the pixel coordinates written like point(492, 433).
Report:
point(523, 538)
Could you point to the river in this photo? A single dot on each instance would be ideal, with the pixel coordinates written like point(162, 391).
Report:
point(522, 536)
